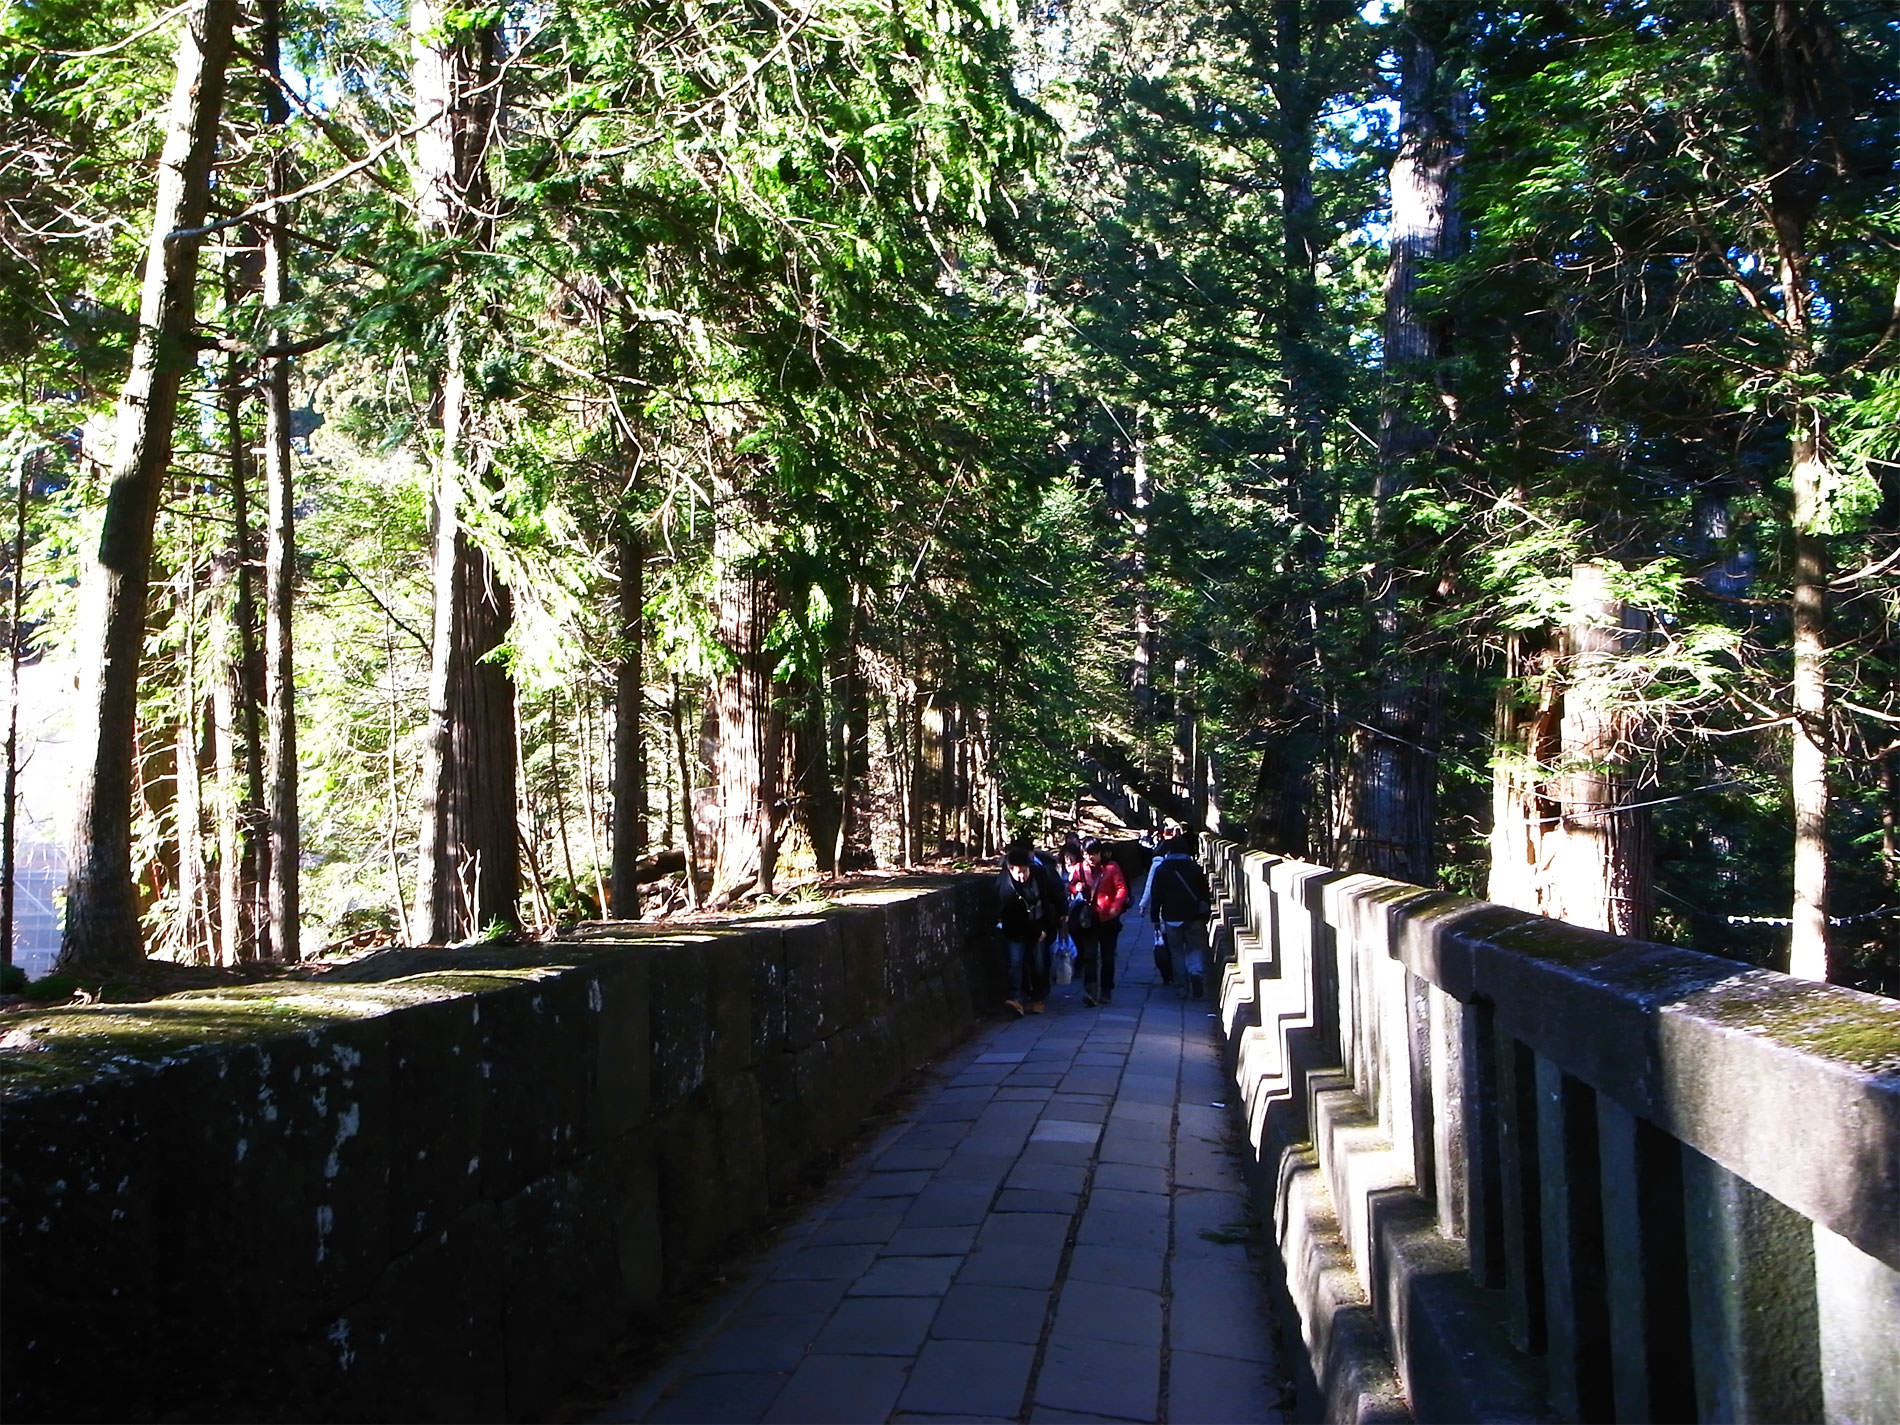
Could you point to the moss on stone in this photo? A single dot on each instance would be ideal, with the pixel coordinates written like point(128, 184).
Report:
point(1835, 1024)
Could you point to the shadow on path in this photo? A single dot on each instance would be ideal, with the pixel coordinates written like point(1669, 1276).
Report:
point(1056, 1229)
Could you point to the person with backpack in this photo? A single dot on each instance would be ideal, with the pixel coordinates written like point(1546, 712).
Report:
point(1097, 923)
point(1177, 900)
point(1029, 906)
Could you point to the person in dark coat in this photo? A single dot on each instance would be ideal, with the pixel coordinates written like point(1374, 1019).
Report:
point(1029, 907)
point(1178, 900)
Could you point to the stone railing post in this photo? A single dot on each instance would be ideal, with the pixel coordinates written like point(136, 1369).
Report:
point(1520, 1169)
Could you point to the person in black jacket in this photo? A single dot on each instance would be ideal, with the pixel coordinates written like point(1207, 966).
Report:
point(1029, 906)
point(1178, 899)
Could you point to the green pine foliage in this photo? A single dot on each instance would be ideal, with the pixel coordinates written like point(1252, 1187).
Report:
point(1017, 334)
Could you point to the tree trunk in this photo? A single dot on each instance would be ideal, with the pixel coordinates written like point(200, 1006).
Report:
point(1387, 822)
point(676, 710)
point(1780, 48)
point(630, 765)
point(557, 786)
point(284, 854)
point(812, 799)
point(235, 921)
point(1528, 737)
point(1600, 873)
point(469, 869)
point(190, 930)
point(102, 926)
point(1809, 951)
point(1288, 774)
point(1141, 678)
point(16, 650)
point(1298, 313)
point(746, 762)
point(469, 864)
point(239, 696)
point(853, 843)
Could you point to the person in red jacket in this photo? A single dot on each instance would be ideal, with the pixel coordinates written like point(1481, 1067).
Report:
point(1104, 892)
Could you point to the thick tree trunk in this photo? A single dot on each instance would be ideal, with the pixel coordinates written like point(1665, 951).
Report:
point(1386, 824)
point(1284, 780)
point(630, 764)
point(1566, 841)
point(1387, 819)
point(469, 862)
point(746, 763)
point(1184, 751)
point(469, 867)
point(1600, 871)
point(1298, 315)
point(282, 935)
point(813, 799)
point(102, 926)
point(1288, 774)
point(1528, 736)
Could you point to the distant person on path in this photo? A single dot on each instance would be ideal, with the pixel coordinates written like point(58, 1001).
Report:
point(1029, 904)
point(1104, 899)
point(1177, 899)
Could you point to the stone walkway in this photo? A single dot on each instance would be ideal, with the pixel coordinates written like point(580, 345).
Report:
point(1053, 1232)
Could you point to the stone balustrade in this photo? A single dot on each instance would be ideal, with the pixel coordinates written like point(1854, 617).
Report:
point(441, 1185)
point(1521, 1170)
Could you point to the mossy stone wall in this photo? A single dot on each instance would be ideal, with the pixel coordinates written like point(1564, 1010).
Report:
point(443, 1192)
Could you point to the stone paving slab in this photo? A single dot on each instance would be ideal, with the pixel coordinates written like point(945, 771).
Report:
point(931, 1241)
point(1056, 1231)
point(973, 1312)
point(965, 1378)
point(1101, 1378)
point(1212, 1390)
point(880, 1327)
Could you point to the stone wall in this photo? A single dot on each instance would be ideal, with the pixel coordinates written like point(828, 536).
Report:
point(1520, 1170)
point(439, 1188)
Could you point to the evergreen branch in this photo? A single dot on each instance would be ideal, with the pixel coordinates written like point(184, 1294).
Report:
point(318, 186)
point(1891, 330)
point(1866, 571)
point(158, 23)
point(377, 599)
point(300, 347)
point(1870, 712)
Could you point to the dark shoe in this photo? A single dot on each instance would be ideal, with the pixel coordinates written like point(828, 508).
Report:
point(1089, 1001)
point(1195, 988)
point(1107, 995)
point(1015, 1006)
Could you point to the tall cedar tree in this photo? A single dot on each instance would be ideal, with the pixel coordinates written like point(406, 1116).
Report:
point(1387, 822)
point(469, 870)
point(102, 915)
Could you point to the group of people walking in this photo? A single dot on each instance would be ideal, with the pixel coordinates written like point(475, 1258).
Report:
point(1084, 894)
